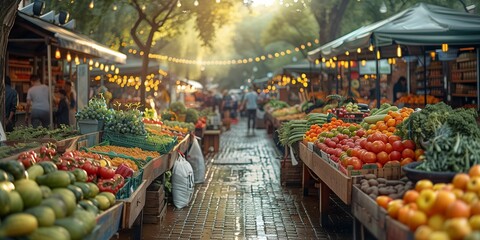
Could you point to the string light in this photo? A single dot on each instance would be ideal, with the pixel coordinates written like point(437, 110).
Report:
point(378, 54)
point(399, 51)
point(179, 4)
point(77, 60)
point(114, 7)
point(90, 62)
point(91, 5)
point(222, 62)
point(195, 3)
point(359, 50)
point(69, 57)
point(370, 48)
point(432, 54)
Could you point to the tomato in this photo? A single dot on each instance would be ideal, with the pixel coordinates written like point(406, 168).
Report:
point(369, 157)
point(379, 137)
point(388, 148)
point(397, 146)
point(395, 156)
point(379, 165)
point(382, 157)
point(355, 162)
point(418, 152)
point(368, 146)
point(393, 138)
point(378, 146)
point(383, 201)
point(363, 143)
point(408, 153)
point(406, 161)
point(409, 144)
point(344, 161)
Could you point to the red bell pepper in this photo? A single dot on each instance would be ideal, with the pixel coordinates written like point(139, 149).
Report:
point(124, 170)
point(105, 172)
point(90, 168)
point(111, 185)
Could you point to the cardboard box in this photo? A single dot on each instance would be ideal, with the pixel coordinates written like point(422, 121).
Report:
point(367, 211)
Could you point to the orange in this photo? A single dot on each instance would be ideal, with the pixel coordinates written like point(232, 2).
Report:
point(383, 201)
point(460, 180)
point(443, 200)
point(423, 232)
point(410, 196)
point(387, 117)
point(474, 171)
point(416, 218)
point(458, 209)
point(391, 122)
point(393, 207)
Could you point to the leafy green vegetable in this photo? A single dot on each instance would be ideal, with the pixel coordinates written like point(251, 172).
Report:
point(422, 125)
point(449, 152)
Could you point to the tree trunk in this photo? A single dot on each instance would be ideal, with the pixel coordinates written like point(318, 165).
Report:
point(8, 12)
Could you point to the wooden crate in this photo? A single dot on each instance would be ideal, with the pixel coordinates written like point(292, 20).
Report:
point(397, 230)
point(155, 168)
point(133, 205)
point(158, 218)
point(290, 174)
point(370, 215)
point(155, 200)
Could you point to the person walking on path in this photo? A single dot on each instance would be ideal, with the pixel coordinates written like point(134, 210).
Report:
point(38, 103)
point(71, 99)
point(63, 109)
point(11, 101)
point(250, 104)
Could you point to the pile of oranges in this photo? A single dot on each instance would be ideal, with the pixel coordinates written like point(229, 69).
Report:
point(390, 122)
point(312, 134)
point(441, 211)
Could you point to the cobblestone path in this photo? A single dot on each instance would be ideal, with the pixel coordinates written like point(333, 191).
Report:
point(242, 197)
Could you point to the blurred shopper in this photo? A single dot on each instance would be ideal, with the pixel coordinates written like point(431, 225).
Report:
point(71, 99)
point(11, 102)
point(250, 104)
point(400, 88)
point(63, 109)
point(38, 105)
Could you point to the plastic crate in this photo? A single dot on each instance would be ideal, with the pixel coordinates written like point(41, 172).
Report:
point(130, 186)
point(128, 140)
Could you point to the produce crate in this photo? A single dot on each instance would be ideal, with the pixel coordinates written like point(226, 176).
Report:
point(368, 168)
point(130, 140)
point(155, 168)
point(155, 205)
point(109, 222)
point(397, 230)
point(140, 162)
point(89, 126)
point(291, 175)
point(133, 206)
point(130, 186)
point(305, 154)
point(68, 144)
point(367, 211)
point(391, 171)
point(338, 182)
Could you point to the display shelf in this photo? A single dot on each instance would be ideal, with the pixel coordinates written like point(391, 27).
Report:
point(155, 167)
point(369, 214)
point(464, 95)
point(109, 222)
point(465, 81)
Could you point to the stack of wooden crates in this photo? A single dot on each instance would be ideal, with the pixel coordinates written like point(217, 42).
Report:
point(155, 204)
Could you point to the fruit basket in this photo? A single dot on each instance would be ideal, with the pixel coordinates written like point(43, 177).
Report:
point(417, 175)
point(129, 140)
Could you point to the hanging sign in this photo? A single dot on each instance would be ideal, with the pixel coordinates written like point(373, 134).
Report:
point(370, 67)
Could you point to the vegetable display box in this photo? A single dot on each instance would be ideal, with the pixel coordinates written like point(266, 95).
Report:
point(367, 211)
point(133, 206)
point(131, 185)
point(89, 126)
point(130, 140)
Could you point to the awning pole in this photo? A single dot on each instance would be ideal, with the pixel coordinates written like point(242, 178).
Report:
point(377, 80)
point(349, 77)
point(336, 78)
point(310, 76)
point(408, 77)
point(425, 77)
point(478, 79)
point(49, 69)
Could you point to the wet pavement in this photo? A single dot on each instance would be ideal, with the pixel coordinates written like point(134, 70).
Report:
point(243, 198)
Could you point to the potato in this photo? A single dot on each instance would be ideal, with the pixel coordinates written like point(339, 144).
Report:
point(364, 181)
point(373, 196)
point(382, 180)
point(375, 191)
point(383, 191)
point(357, 185)
point(381, 185)
point(364, 188)
point(370, 176)
point(373, 182)
point(395, 196)
point(370, 190)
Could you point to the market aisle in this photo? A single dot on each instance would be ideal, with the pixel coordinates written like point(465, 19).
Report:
point(242, 197)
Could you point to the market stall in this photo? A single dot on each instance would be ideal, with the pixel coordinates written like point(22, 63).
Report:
point(420, 31)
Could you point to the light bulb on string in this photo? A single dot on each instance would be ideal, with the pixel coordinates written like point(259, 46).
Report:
point(399, 51)
point(58, 55)
point(77, 60)
point(179, 4)
point(195, 3)
point(90, 62)
point(97, 64)
point(114, 7)
point(364, 62)
point(370, 48)
point(444, 47)
point(91, 5)
point(378, 54)
point(69, 57)
point(217, 1)
point(359, 50)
